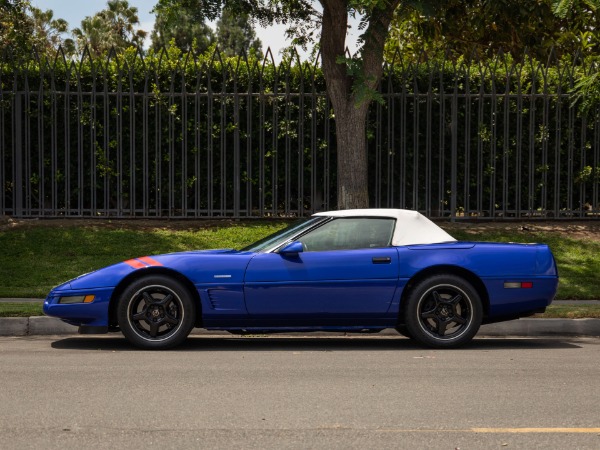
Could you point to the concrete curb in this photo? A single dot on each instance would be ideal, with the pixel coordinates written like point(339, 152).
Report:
point(39, 326)
point(14, 326)
point(543, 327)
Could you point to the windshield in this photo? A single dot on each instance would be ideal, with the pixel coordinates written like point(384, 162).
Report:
point(276, 239)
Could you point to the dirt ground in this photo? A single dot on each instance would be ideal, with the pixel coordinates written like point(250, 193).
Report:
point(589, 230)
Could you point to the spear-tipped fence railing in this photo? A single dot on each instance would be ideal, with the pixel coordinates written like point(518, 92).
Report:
point(182, 137)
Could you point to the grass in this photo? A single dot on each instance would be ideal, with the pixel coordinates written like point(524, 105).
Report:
point(33, 259)
point(571, 312)
point(20, 309)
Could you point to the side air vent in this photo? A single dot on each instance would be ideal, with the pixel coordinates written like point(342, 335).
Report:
point(226, 300)
point(213, 298)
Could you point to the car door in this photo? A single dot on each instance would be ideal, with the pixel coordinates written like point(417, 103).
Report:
point(347, 269)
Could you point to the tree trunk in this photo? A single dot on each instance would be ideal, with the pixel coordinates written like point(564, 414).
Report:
point(350, 114)
point(350, 119)
point(352, 173)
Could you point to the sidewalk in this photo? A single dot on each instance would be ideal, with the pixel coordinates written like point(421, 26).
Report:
point(528, 327)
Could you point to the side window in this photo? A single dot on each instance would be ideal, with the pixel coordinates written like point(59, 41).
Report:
point(350, 233)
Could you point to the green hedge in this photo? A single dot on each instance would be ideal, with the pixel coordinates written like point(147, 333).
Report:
point(178, 135)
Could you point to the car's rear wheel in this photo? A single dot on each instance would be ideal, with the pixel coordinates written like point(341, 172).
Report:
point(156, 312)
point(443, 311)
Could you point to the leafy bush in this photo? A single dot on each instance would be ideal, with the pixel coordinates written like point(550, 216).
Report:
point(172, 134)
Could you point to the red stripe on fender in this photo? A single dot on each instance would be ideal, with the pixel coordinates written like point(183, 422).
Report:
point(149, 261)
point(134, 263)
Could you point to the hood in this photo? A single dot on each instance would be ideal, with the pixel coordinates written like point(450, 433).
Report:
point(199, 266)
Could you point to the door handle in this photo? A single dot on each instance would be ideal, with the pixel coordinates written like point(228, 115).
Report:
point(381, 260)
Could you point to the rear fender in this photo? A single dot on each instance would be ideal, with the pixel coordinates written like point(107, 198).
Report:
point(467, 275)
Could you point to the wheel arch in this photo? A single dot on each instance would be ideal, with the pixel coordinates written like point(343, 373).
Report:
point(466, 274)
point(120, 288)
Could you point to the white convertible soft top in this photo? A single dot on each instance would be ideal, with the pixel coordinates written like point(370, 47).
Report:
point(412, 228)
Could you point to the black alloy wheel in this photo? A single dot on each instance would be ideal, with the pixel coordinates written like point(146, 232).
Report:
point(156, 312)
point(443, 311)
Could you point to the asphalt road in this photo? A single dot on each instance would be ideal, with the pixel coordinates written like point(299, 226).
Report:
point(366, 392)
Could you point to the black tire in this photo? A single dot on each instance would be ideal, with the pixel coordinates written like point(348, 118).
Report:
point(443, 311)
point(156, 312)
point(403, 330)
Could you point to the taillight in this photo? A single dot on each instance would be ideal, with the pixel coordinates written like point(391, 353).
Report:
point(518, 285)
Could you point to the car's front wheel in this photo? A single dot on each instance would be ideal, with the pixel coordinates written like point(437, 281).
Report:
point(156, 312)
point(403, 330)
point(443, 311)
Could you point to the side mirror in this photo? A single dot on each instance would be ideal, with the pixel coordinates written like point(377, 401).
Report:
point(292, 248)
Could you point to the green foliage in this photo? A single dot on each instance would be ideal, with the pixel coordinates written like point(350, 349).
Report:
point(533, 151)
point(47, 32)
point(586, 92)
point(264, 11)
point(183, 23)
point(235, 34)
point(113, 27)
point(183, 27)
point(16, 27)
point(200, 131)
point(361, 89)
point(24, 28)
point(566, 8)
point(484, 27)
point(182, 115)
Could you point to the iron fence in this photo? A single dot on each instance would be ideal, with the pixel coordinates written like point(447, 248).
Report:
point(237, 138)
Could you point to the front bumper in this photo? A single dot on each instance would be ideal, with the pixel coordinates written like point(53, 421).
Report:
point(94, 314)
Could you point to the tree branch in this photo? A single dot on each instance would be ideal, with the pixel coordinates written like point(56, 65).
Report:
point(374, 43)
point(333, 46)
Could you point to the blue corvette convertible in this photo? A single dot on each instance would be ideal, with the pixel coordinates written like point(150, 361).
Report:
point(354, 270)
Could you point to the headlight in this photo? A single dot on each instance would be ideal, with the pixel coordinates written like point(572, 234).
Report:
point(76, 299)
